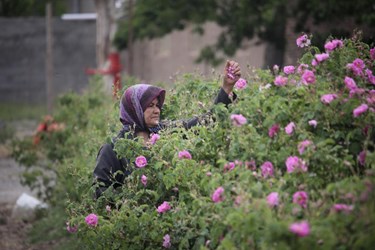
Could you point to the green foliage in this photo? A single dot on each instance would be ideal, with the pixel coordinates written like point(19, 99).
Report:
point(336, 172)
point(241, 20)
point(16, 8)
point(243, 219)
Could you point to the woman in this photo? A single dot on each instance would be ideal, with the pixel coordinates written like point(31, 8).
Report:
point(140, 115)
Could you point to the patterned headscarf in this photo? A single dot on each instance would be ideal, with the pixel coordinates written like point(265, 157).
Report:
point(134, 102)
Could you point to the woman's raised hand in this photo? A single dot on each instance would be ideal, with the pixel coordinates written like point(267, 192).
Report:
point(232, 72)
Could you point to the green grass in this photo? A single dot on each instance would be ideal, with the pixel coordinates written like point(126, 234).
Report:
point(15, 111)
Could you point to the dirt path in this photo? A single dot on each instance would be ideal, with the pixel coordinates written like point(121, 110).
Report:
point(13, 232)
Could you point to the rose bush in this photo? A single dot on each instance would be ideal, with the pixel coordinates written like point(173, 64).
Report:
point(293, 169)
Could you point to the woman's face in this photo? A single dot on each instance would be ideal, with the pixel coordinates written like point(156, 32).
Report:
point(152, 114)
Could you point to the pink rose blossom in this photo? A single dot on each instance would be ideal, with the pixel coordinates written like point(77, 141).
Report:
point(230, 72)
point(267, 169)
point(144, 180)
point(209, 173)
point(154, 138)
point(332, 45)
point(370, 76)
point(238, 120)
point(314, 62)
point(71, 229)
point(273, 199)
point(289, 69)
point(241, 84)
point(301, 68)
point(303, 145)
point(360, 110)
point(350, 83)
point(300, 198)
point(358, 91)
point(167, 241)
point(303, 41)
point(362, 157)
point(273, 130)
point(356, 66)
point(91, 220)
point(372, 54)
point(289, 129)
point(229, 166)
point(281, 80)
point(217, 196)
point(343, 208)
point(301, 229)
point(308, 77)
point(164, 207)
point(313, 123)
point(141, 161)
point(321, 57)
point(184, 155)
point(328, 98)
point(293, 163)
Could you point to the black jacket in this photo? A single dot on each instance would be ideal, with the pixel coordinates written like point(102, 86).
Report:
point(110, 170)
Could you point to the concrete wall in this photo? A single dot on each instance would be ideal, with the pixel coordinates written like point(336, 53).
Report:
point(23, 57)
point(161, 59)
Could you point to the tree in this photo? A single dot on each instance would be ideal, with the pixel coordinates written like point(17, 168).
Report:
point(240, 19)
point(15, 8)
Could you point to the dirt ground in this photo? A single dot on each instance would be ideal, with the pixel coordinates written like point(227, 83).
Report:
point(13, 232)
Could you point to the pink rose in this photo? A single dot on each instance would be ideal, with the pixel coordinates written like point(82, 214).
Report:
point(71, 229)
point(360, 110)
point(91, 220)
point(293, 163)
point(141, 161)
point(217, 196)
point(184, 155)
point(241, 84)
point(144, 180)
point(267, 169)
point(154, 138)
point(328, 98)
point(273, 199)
point(303, 145)
point(332, 45)
point(164, 207)
point(301, 68)
point(343, 208)
point(321, 57)
point(301, 229)
point(229, 166)
point(238, 120)
point(167, 241)
point(356, 67)
point(300, 198)
point(372, 54)
point(289, 129)
point(281, 80)
point(362, 157)
point(370, 76)
point(273, 130)
point(289, 69)
point(350, 83)
point(308, 77)
point(303, 41)
point(313, 123)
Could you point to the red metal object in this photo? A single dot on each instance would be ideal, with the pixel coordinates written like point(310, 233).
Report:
point(113, 69)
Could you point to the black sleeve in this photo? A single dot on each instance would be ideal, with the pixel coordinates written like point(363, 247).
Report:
point(109, 170)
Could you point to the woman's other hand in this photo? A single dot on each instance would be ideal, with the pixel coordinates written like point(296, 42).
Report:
point(232, 72)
